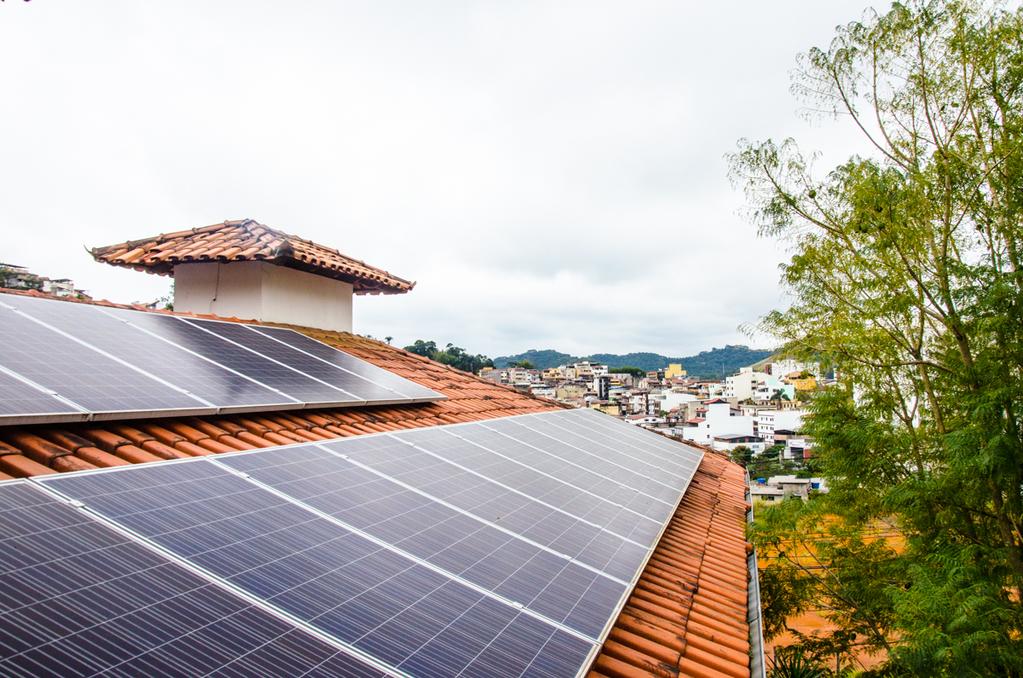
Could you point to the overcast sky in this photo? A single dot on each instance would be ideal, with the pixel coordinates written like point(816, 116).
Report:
point(551, 173)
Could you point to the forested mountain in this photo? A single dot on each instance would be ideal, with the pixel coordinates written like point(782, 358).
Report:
point(717, 362)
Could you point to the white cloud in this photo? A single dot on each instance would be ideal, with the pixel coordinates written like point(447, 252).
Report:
point(551, 173)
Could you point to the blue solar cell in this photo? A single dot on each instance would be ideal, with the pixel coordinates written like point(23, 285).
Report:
point(207, 380)
point(339, 582)
point(78, 598)
point(574, 473)
point(462, 545)
point(343, 360)
point(80, 374)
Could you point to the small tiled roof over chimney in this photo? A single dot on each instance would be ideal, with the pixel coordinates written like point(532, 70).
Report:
point(248, 240)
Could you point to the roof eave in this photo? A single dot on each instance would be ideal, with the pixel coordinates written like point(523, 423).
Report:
point(360, 284)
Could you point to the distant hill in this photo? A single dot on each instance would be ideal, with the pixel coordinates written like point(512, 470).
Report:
point(717, 362)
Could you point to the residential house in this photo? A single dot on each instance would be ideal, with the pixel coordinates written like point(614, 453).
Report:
point(798, 448)
point(719, 420)
point(729, 441)
point(767, 421)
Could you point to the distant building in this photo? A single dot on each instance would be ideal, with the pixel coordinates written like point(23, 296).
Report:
point(719, 420)
point(17, 277)
point(777, 488)
point(768, 421)
point(644, 419)
point(798, 448)
point(674, 371)
point(728, 442)
point(766, 493)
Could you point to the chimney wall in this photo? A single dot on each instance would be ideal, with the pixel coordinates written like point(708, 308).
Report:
point(257, 290)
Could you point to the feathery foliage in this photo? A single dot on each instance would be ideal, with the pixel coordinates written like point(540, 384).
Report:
point(907, 279)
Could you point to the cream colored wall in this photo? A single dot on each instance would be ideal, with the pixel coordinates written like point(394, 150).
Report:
point(260, 291)
point(301, 298)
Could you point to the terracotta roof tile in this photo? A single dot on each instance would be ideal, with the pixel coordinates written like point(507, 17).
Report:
point(248, 240)
point(687, 614)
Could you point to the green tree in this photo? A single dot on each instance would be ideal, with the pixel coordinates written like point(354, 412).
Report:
point(524, 364)
point(427, 349)
point(452, 355)
point(628, 369)
point(741, 455)
point(906, 278)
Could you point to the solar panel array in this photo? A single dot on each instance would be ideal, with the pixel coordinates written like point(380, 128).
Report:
point(63, 361)
point(80, 598)
point(502, 547)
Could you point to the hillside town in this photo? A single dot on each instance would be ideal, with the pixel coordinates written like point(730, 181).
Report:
point(758, 409)
point(15, 277)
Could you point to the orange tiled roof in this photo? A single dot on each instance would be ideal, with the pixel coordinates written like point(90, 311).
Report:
point(687, 615)
point(248, 240)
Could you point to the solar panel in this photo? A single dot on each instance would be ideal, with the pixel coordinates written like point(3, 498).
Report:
point(78, 598)
point(167, 361)
point(353, 588)
point(487, 548)
point(284, 379)
point(350, 383)
point(634, 441)
point(538, 521)
point(607, 465)
point(464, 545)
point(641, 508)
point(509, 462)
point(96, 382)
point(113, 363)
point(344, 361)
point(664, 473)
point(17, 397)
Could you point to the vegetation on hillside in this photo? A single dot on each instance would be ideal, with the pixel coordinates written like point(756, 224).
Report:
point(452, 355)
point(907, 276)
point(715, 363)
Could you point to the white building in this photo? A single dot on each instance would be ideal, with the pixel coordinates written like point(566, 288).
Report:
point(728, 442)
point(719, 420)
point(666, 401)
point(740, 386)
point(541, 391)
point(769, 421)
point(518, 376)
point(644, 420)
